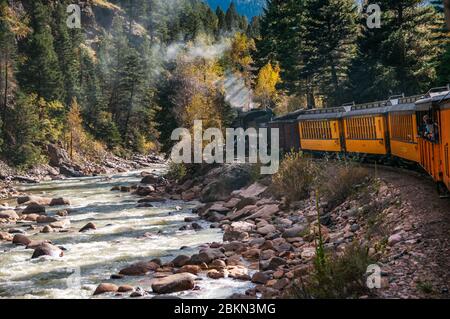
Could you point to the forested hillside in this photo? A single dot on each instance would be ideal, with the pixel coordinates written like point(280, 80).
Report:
point(138, 69)
point(329, 56)
point(134, 71)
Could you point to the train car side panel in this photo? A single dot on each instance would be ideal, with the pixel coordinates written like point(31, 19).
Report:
point(322, 135)
point(445, 151)
point(430, 158)
point(403, 135)
point(366, 134)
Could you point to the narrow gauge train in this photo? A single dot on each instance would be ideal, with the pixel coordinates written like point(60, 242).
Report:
point(415, 129)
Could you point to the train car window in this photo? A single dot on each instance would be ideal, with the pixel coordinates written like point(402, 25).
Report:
point(316, 130)
point(361, 128)
point(428, 126)
point(402, 127)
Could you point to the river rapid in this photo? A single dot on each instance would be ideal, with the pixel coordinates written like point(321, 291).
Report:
point(125, 234)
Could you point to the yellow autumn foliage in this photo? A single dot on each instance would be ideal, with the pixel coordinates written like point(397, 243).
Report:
point(267, 80)
point(240, 53)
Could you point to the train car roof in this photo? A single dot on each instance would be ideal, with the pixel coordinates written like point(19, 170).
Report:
point(322, 114)
point(400, 104)
point(404, 104)
point(290, 117)
point(429, 100)
point(373, 108)
point(406, 107)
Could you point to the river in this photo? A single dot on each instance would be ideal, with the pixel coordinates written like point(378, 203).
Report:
point(125, 234)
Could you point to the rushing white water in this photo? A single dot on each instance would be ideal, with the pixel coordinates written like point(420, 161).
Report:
point(119, 240)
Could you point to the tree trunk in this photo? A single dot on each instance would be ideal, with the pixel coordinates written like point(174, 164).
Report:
point(335, 80)
point(310, 94)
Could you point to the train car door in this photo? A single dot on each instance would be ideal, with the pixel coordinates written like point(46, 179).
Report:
point(445, 141)
point(430, 141)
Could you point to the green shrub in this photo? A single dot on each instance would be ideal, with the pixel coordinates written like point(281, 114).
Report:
point(177, 171)
point(341, 182)
point(295, 177)
point(336, 276)
point(425, 287)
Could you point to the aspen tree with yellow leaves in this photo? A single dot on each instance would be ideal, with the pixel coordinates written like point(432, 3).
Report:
point(266, 84)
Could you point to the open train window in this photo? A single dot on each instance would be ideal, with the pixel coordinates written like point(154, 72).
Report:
point(428, 125)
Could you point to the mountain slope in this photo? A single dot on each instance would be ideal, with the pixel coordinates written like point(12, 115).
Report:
point(249, 8)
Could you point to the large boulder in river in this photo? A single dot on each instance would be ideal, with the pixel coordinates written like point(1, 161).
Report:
point(88, 226)
point(35, 199)
point(152, 179)
point(20, 239)
point(59, 202)
point(45, 219)
point(206, 256)
point(180, 261)
point(144, 190)
point(6, 237)
point(70, 171)
point(223, 181)
point(31, 217)
point(47, 250)
point(174, 283)
point(8, 214)
point(139, 269)
point(104, 288)
point(34, 208)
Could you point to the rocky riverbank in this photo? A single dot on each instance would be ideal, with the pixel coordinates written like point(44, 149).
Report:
point(273, 244)
point(60, 166)
point(268, 242)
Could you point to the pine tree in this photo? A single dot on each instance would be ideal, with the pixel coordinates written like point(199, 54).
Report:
point(89, 88)
point(74, 128)
point(23, 132)
point(164, 98)
point(7, 67)
point(243, 23)
point(40, 73)
point(67, 47)
point(254, 28)
point(401, 56)
point(282, 31)
point(222, 24)
point(232, 18)
point(443, 40)
point(129, 91)
point(210, 22)
point(330, 39)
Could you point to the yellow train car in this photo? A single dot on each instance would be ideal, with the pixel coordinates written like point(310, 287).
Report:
point(415, 128)
point(365, 129)
point(320, 130)
point(445, 134)
point(403, 129)
point(434, 135)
